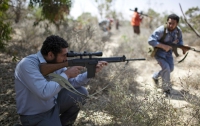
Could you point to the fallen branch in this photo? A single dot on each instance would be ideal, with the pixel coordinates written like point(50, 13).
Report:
point(189, 23)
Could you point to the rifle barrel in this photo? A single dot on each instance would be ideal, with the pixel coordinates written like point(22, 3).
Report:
point(113, 59)
point(135, 59)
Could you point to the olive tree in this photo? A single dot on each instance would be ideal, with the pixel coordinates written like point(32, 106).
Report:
point(5, 29)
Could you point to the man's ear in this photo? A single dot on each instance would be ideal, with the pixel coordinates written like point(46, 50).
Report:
point(50, 55)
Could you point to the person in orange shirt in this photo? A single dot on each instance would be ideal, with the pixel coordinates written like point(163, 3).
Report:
point(135, 21)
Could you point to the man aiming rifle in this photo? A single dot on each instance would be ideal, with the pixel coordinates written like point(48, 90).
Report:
point(43, 102)
point(90, 63)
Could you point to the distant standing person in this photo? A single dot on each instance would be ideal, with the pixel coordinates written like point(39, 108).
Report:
point(117, 24)
point(135, 21)
point(106, 25)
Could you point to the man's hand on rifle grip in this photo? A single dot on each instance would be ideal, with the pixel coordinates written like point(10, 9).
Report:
point(73, 71)
point(164, 47)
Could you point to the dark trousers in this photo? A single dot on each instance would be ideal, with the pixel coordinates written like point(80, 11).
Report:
point(63, 113)
point(136, 29)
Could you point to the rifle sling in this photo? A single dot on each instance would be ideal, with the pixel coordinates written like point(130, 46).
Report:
point(183, 58)
point(161, 39)
point(193, 49)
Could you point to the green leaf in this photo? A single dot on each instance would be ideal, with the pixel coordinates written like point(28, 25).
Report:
point(64, 83)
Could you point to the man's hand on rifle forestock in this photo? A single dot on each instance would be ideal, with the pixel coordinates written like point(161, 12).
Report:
point(100, 65)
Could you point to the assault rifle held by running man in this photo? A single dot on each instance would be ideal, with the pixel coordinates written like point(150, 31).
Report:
point(90, 63)
point(174, 49)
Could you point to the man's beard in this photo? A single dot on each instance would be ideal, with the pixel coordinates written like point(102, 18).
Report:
point(52, 61)
point(171, 29)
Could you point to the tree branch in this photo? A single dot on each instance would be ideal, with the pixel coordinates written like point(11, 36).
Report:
point(189, 23)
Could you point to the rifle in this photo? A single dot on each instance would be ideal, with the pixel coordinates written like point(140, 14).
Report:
point(174, 49)
point(182, 47)
point(90, 63)
point(141, 13)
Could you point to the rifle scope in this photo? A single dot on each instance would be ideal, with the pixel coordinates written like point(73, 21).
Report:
point(75, 54)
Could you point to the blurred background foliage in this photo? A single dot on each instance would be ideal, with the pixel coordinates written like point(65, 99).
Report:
point(193, 17)
point(5, 28)
point(57, 11)
point(52, 10)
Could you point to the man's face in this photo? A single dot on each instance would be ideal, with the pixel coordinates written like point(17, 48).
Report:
point(61, 57)
point(171, 24)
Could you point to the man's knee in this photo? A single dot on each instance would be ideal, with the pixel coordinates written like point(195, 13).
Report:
point(66, 95)
point(171, 69)
point(81, 98)
point(166, 68)
point(82, 90)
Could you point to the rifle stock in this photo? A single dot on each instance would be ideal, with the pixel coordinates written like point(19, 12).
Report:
point(89, 63)
point(46, 68)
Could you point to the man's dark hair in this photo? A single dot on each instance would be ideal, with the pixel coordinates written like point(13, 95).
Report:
point(54, 44)
point(136, 9)
point(174, 17)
